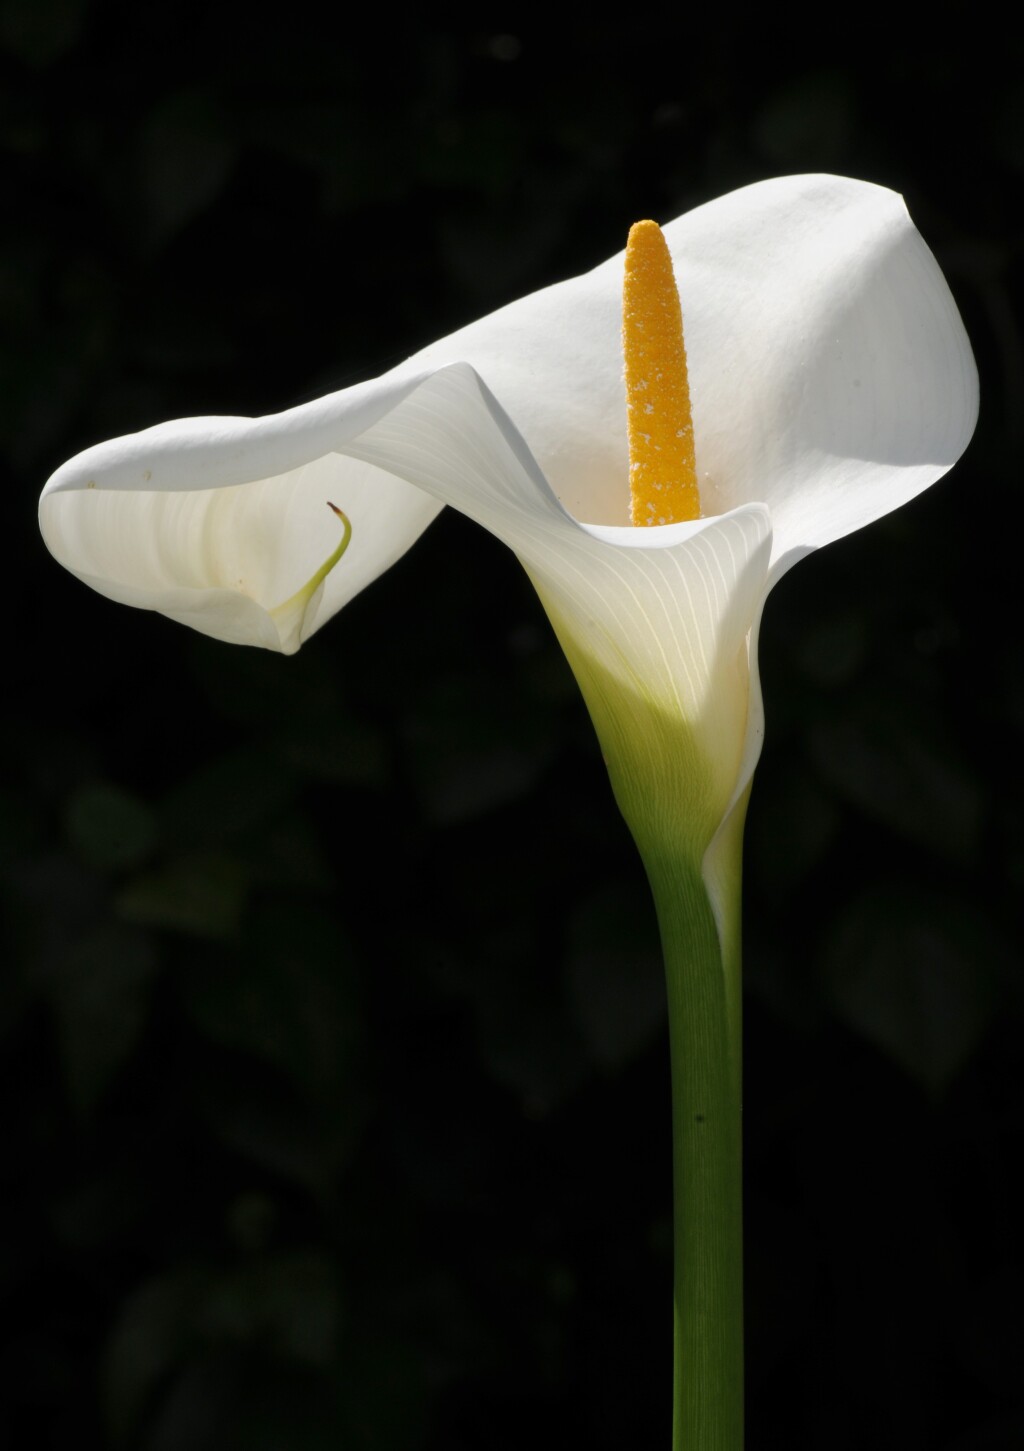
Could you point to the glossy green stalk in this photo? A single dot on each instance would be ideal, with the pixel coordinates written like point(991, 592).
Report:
point(704, 1035)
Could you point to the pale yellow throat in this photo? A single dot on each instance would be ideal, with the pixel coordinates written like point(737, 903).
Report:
point(662, 466)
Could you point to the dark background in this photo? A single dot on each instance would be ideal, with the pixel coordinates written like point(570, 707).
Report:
point(334, 1081)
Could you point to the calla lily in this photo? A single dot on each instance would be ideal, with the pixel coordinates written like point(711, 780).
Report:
point(831, 381)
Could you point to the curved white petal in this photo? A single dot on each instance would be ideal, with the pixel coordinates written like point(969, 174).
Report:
point(830, 374)
point(822, 320)
point(657, 618)
point(217, 522)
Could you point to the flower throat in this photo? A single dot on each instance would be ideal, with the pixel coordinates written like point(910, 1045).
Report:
point(662, 467)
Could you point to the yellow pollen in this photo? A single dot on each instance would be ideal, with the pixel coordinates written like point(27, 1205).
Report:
point(662, 467)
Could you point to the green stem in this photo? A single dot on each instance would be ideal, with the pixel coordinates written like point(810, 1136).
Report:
point(708, 1220)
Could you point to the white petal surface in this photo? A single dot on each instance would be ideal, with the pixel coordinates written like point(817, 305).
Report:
point(822, 321)
point(830, 376)
point(217, 522)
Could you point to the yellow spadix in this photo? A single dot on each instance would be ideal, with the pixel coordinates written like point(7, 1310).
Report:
point(662, 466)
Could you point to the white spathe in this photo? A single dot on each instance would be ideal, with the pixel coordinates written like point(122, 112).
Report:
point(831, 381)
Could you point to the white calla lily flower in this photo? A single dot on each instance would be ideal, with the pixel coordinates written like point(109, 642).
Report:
point(831, 381)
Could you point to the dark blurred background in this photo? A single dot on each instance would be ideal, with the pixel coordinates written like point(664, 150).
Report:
point(334, 1073)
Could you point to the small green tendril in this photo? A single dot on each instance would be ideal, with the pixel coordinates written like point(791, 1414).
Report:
point(296, 603)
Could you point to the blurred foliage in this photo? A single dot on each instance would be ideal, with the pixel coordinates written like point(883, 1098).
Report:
point(336, 1101)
